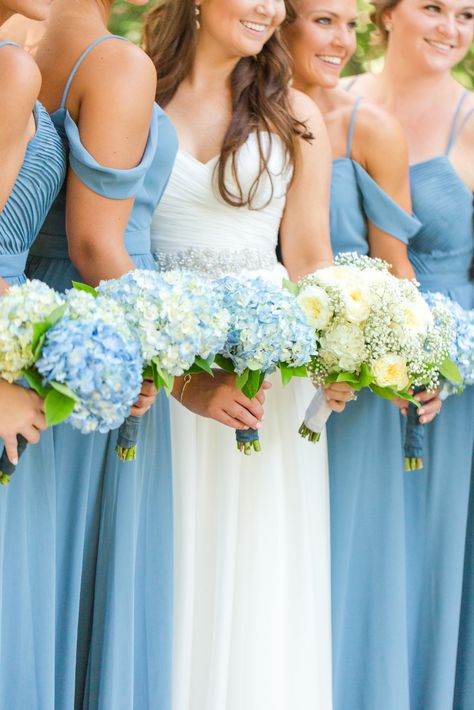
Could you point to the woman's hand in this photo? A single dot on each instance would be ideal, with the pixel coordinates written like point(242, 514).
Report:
point(431, 405)
point(338, 394)
point(146, 399)
point(219, 398)
point(21, 412)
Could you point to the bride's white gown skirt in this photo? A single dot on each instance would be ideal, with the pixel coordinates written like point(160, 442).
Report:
point(252, 575)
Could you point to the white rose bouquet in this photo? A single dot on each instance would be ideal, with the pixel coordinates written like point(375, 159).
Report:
point(373, 330)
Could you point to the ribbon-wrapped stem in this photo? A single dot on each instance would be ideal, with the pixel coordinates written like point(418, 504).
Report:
point(316, 417)
point(247, 441)
point(7, 469)
point(414, 435)
point(126, 448)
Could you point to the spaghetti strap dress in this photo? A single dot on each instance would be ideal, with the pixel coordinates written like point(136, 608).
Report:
point(113, 520)
point(365, 449)
point(26, 542)
point(439, 529)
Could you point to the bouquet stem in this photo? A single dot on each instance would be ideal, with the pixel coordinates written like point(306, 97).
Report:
point(126, 448)
point(414, 435)
point(7, 469)
point(413, 463)
point(248, 441)
point(316, 417)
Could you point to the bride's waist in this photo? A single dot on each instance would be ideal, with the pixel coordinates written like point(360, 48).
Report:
point(215, 263)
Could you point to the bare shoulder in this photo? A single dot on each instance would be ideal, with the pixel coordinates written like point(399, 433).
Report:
point(304, 109)
point(377, 125)
point(20, 83)
point(119, 68)
point(20, 78)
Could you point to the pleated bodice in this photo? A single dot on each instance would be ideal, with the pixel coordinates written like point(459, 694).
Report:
point(443, 249)
point(357, 199)
point(38, 182)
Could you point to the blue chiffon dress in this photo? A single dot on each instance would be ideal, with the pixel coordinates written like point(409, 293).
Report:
point(365, 448)
point(112, 519)
point(27, 556)
point(438, 527)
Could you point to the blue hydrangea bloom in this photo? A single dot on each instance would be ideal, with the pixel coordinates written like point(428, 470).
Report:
point(267, 326)
point(102, 368)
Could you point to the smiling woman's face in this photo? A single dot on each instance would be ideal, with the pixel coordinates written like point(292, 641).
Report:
point(321, 40)
point(239, 27)
point(433, 36)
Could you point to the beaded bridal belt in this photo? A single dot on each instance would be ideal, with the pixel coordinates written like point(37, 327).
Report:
point(213, 263)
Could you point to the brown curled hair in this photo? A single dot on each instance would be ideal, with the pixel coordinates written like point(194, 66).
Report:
point(259, 88)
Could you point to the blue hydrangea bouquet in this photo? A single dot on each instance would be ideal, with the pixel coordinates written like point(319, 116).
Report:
point(268, 330)
point(80, 357)
point(180, 322)
point(461, 352)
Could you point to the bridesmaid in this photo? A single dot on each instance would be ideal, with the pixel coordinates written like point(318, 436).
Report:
point(370, 214)
point(32, 171)
point(424, 41)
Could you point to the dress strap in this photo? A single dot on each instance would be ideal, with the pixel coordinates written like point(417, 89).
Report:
point(351, 125)
point(351, 83)
point(13, 44)
point(80, 60)
point(454, 133)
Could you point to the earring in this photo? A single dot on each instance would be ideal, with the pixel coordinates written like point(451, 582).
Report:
point(197, 12)
point(388, 28)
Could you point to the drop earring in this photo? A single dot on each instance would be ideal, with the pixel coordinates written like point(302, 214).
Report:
point(197, 12)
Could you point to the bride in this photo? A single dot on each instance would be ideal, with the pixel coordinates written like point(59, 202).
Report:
point(252, 579)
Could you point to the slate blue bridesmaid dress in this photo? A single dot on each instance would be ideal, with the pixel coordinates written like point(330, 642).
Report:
point(365, 448)
point(113, 581)
point(439, 529)
point(27, 552)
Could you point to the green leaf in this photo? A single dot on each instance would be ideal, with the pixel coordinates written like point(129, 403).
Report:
point(350, 377)
point(291, 287)
point(162, 378)
point(147, 373)
point(301, 371)
point(384, 392)
point(35, 380)
point(405, 395)
point(64, 389)
point(204, 365)
point(286, 373)
point(85, 287)
point(332, 377)
point(38, 346)
point(366, 377)
point(224, 363)
point(242, 379)
point(57, 407)
point(253, 384)
point(450, 372)
point(39, 329)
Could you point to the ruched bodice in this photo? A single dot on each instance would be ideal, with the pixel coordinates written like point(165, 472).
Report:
point(38, 182)
point(146, 182)
point(194, 227)
point(356, 199)
point(443, 249)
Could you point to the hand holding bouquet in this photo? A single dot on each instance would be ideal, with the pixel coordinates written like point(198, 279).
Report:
point(80, 358)
point(373, 330)
point(268, 330)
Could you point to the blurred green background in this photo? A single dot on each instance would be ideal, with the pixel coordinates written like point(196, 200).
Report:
point(126, 20)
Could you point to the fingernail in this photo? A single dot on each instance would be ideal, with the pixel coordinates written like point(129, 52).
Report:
point(422, 420)
point(259, 425)
point(15, 460)
point(421, 411)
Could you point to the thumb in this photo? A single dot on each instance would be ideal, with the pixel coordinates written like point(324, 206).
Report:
point(11, 447)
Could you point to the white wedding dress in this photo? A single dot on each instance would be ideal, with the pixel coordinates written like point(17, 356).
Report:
point(252, 562)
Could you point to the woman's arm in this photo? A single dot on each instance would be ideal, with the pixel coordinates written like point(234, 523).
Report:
point(20, 82)
point(304, 230)
point(384, 154)
point(115, 95)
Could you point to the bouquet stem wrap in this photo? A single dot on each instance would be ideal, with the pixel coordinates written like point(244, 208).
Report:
point(414, 434)
point(7, 469)
point(247, 440)
point(316, 417)
point(126, 448)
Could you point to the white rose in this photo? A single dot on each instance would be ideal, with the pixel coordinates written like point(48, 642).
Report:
point(343, 347)
point(336, 275)
point(316, 304)
point(391, 371)
point(357, 301)
point(416, 316)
